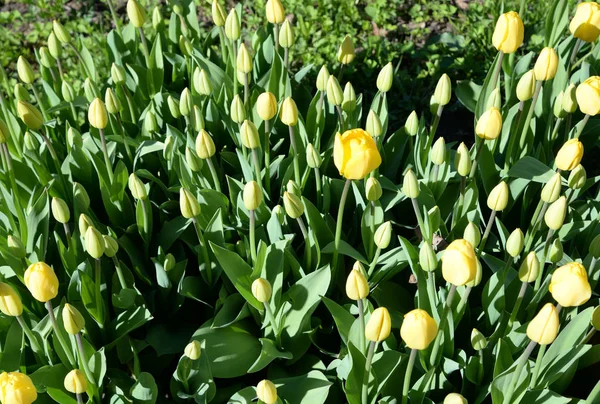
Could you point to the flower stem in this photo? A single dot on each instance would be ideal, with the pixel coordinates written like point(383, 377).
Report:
point(271, 319)
point(520, 364)
point(119, 270)
point(341, 118)
point(98, 283)
point(540, 210)
point(478, 148)
point(252, 236)
point(204, 250)
point(581, 125)
point(144, 46)
point(374, 262)
point(523, 138)
point(85, 68)
point(486, 233)
point(267, 152)
point(65, 346)
point(318, 187)
point(106, 157)
point(515, 310)
point(39, 101)
point(433, 360)
point(409, 368)
point(538, 281)
point(213, 172)
point(361, 324)
point(424, 232)
point(538, 365)
point(436, 122)
point(365, 384)
point(294, 151)
point(338, 227)
point(256, 166)
point(305, 234)
point(125, 143)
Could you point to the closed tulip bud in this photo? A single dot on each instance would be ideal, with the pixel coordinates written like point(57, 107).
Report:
point(293, 188)
point(349, 100)
point(150, 123)
point(202, 82)
point(556, 251)
point(577, 177)
point(169, 263)
point(249, 135)
point(293, 205)
point(29, 141)
point(185, 46)
point(10, 302)
point(509, 32)
point(237, 110)
point(275, 12)
point(551, 190)
point(205, 147)
point(385, 78)
point(313, 158)
point(455, 398)
point(185, 102)
point(188, 204)
point(546, 64)
point(383, 235)
point(242, 77)
point(94, 243)
point(478, 341)
point(286, 35)
point(252, 196)
point(498, 197)
point(25, 71)
point(168, 147)
point(379, 326)
point(515, 243)
point(427, 258)
point(16, 247)
point(558, 110)
point(17, 388)
point(322, 78)
point(46, 58)
point(192, 160)
point(438, 152)
point(54, 46)
point(61, 33)
point(84, 223)
point(410, 185)
point(265, 389)
point(136, 13)
point(261, 290)
point(73, 321)
point(67, 91)
point(569, 285)
point(588, 96)
point(345, 54)
point(137, 187)
point(173, 107)
point(373, 189)
point(97, 115)
point(279, 212)
point(585, 24)
point(157, 18)
point(526, 86)
point(355, 154)
point(489, 124)
point(462, 160)
point(418, 329)
point(117, 73)
point(113, 105)
point(335, 95)
point(495, 99)
point(111, 247)
point(569, 156)
point(411, 126)
point(30, 115)
point(543, 328)
point(289, 112)
point(556, 213)
point(193, 350)
point(459, 263)
point(232, 26)
point(357, 287)
point(41, 281)
point(443, 90)
point(569, 100)
point(218, 14)
point(373, 125)
point(530, 268)
point(75, 382)
point(472, 234)
point(244, 60)
point(4, 132)
point(80, 196)
point(60, 210)
point(21, 93)
point(89, 90)
point(266, 106)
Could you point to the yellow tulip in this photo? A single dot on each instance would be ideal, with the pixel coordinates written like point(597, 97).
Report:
point(588, 95)
point(289, 112)
point(385, 78)
point(261, 290)
point(25, 71)
point(546, 64)
point(41, 281)
point(30, 115)
point(543, 328)
point(205, 147)
point(97, 115)
point(10, 302)
point(94, 243)
point(489, 124)
point(585, 24)
point(498, 197)
point(275, 12)
point(530, 268)
point(345, 53)
point(526, 86)
point(459, 263)
point(193, 350)
point(509, 32)
point(252, 196)
point(293, 205)
point(73, 321)
point(357, 286)
point(16, 388)
point(75, 382)
point(136, 13)
point(455, 398)
point(418, 329)
point(556, 213)
point(218, 14)
point(569, 285)
point(244, 60)
point(355, 154)
point(266, 106)
point(266, 392)
point(188, 204)
point(379, 325)
point(570, 154)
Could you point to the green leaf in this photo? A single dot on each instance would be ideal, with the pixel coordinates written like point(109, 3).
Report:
point(145, 390)
point(311, 388)
point(468, 93)
point(531, 169)
point(342, 317)
point(10, 359)
point(268, 354)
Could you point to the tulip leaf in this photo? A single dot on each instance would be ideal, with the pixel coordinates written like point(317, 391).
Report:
point(310, 388)
point(268, 354)
point(10, 357)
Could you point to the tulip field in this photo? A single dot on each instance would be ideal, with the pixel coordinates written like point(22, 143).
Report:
point(210, 221)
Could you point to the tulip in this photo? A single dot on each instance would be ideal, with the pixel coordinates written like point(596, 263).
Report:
point(322, 78)
point(60, 210)
point(530, 268)
point(30, 115)
point(67, 91)
point(556, 251)
point(509, 32)
point(202, 82)
point(188, 204)
point(379, 325)
point(543, 328)
point(117, 73)
point(137, 187)
point(232, 26)
point(526, 86)
point(289, 112)
point(237, 110)
point(410, 185)
point(265, 389)
point(16, 388)
point(94, 243)
point(472, 234)
point(90, 90)
point(75, 382)
point(97, 115)
point(462, 160)
point(335, 95)
point(205, 147)
point(577, 177)
point(25, 71)
point(218, 14)
point(29, 141)
point(157, 18)
point(244, 60)
point(459, 263)
point(373, 125)
point(478, 341)
point(185, 46)
point(185, 102)
point(385, 78)
point(136, 13)
point(111, 247)
point(489, 125)
point(585, 24)
point(438, 152)
point(569, 285)
point(73, 321)
point(84, 223)
point(551, 190)
point(383, 235)
point(193, 350)
point(249, 135)
point(293, 188)
point(555, 215)
point(373, 189)
point(173, 107)
point(588, 95)
point(345, 54)
point(546, 65)
point(498, 197)
point(355, 154)
point(313, 158)
point(275, 12)
point(418, 329)
point(443, 90)
point(261, 290)
point(252, 195)
point(286, 35)
point(81, 196)
point(455, 398)
point(427, 258)
point(569, 101)
point(266, 106)
point(41, 281)
point(10, 302)
point(61, 33)
point(293, 205)
point(46, 58)
point(349, 100)
point(357, 287)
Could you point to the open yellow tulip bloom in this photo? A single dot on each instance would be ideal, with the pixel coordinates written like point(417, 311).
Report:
point(16, 388)
point(418, 329)
point(459, 263)
point(355, 154)
point(509, 32)
point(585, 24)
point(569, 285)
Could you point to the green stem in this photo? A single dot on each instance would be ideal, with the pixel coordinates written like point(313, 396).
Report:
point(540, 210)
point(223, 43)
point(433, 360)
point(305, 234)
point(271, 319)
point(486, 233)
point(65, 346)
point(213, 172)
point(85, 69)
point(119, 270)
point(318, 187)
point(204, 250)
point(256, 166)
point(479, 144)
point(144, 46)
point(436, 121)
point(83, 361)
point(409, 369)
point(538, 280)
point(246, 90)
point(338, 227)
point(106, 157)
point(523, 138)
point(252, 236)
point(497, 69)
point(374, 262)
point(538, 365)
point(267, 152)
point(276, 35)
point(581, 125)
point(125, 143)
point(129, 103)
point(520, 364)
point(341, 117)
point(365, 384)
point(69, 238)
point(115, 18)
point(515, 310)
point(372, 227)
point(592, 266)
point(39, 102)
point(464, 299)
point(98, 285)
point(431, 287)
point(361, 325)
point(35, 346)
point(74, 112)
point(415, 206)
point(294, 151)
point(594, 394)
